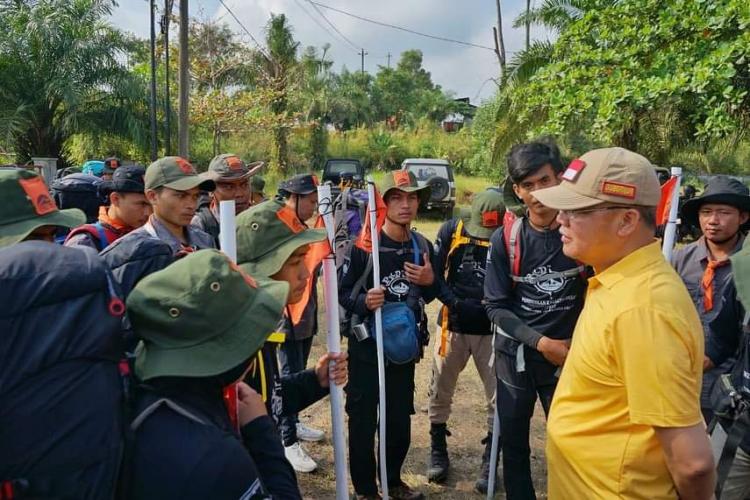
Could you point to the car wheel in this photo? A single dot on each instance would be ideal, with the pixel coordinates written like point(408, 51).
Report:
point(439, 188)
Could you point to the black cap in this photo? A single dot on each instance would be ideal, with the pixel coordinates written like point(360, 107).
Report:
point(299, 184)
point(111, 165)
point(722, 190)
point(126, 179)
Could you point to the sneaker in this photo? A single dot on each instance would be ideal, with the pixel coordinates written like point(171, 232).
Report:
point(305, 433)
point(298, 457)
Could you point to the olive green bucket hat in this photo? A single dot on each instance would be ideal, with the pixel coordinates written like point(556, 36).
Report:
point(175, 173)
point(487, 210)
point(741, 274)
point(202, 316)
point(27, 205)
point(405, 181)
point(268, 234)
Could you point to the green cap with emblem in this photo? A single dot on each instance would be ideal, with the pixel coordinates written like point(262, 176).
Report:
point(175, 173)
point(202, 316)
point(27, 205)
point(405, 181)
point(487, 210)
point(268, 234)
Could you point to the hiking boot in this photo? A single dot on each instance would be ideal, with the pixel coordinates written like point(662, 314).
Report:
point(437, 471)
point(305, 433)
point(298, 457)
point(404, 492)
point(483, 482)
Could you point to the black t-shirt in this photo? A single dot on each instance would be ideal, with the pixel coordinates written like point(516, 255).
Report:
point(550, 306)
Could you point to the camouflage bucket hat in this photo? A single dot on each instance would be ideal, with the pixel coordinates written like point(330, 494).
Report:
point(229, 167)
point(405, 181)
point(268, 234)
point(202, 316)
point(27, 205)
point(175, 173)
point(487, 210)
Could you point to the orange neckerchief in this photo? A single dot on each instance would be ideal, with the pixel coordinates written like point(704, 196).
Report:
point(116, 224)
point(707, 282)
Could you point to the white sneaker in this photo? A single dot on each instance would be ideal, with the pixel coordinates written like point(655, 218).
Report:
point(298, 457)
point(305, 433)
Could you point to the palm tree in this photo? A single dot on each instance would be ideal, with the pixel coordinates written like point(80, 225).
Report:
point(278, 65)
point(63, 71)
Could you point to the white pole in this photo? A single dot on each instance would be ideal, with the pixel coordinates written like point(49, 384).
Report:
point(228, 229)
point(333, 339)
point(670, 230)
point(373, 209)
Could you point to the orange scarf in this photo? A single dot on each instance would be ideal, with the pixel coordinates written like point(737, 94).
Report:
point(117, 225)
point(707, 282)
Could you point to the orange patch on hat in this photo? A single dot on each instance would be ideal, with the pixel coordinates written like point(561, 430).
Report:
point(315, 180)
point(490, 219)
point(38, 194)
point(248, 279)
point(289, 218)
point(235, 163)
point(619, 189)
point(185, 166)
point(401, 178)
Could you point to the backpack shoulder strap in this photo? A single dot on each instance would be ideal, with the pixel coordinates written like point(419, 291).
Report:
point(150, 409)
point(512, 237)
point(96, 233)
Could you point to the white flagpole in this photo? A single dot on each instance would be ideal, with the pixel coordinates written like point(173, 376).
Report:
point(373, 209)
point(333, 339)
point(228, 229)
point(670, 231)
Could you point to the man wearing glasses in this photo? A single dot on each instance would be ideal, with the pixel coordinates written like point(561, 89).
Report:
point(533, 295)
point(625, 420)
point(704, 266)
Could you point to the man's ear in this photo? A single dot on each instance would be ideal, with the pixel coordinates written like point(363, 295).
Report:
point(152, 196)
point(744, 216)
point(114, 198)
point(629, 223)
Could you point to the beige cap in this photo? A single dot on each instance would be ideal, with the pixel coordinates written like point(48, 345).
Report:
point(610, 175)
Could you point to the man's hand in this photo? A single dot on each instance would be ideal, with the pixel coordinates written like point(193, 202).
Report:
point(707, 364)
point(250, 404)
point(339, 371)
point(420, 275)
point(554, 351)
point(375, 298)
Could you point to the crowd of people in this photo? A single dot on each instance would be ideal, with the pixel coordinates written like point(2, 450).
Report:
point(139, 361)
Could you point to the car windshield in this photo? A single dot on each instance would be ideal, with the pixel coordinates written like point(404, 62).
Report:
point(424, 172)
point(339, 167)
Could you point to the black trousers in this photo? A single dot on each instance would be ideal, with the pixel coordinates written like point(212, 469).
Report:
point(362, 409)
point(517, 393)
point(293, 356)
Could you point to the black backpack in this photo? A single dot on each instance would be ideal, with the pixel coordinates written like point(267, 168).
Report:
point(61, 374)
point(79, 191)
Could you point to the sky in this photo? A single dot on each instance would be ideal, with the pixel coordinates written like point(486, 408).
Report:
point(463, 70)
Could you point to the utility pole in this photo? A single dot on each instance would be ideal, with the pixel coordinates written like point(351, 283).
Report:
point(182, 125)
point(165, 19)
point(389, 60)
point(152, 101)
point(498, 36)
point(363, 54)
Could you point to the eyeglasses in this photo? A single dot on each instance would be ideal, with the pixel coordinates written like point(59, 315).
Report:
point(577, 214)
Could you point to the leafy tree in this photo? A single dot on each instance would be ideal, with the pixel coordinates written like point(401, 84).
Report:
point(62, 72)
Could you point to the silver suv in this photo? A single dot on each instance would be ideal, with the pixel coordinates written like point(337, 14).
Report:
point(438, 174)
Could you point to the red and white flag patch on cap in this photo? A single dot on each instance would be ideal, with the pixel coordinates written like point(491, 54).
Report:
point(574, 169)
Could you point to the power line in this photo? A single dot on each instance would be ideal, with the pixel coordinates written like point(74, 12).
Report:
point(380, 23)
point(260, 47)
point(301, 6)
point(315, 6)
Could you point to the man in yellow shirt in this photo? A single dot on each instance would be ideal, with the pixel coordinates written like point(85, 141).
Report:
point(625, 420)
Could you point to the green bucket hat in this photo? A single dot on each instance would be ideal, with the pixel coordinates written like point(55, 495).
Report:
point(175, 173)
point(202, 316)
point(741, 274)
point(27, 205)
point(487, 210)
point(403, 180)
point(268, 234)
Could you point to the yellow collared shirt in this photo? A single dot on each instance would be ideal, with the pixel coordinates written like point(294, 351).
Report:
point(635, 363)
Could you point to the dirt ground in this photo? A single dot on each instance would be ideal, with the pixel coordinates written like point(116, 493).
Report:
point(467, 425)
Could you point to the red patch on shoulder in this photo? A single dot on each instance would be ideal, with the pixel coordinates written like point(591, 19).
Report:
point(620, 189)
point(38, 194)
